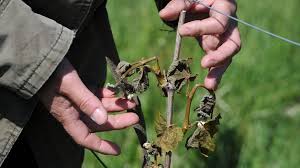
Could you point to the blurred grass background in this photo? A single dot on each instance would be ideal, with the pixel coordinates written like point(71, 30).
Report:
point(259, 97)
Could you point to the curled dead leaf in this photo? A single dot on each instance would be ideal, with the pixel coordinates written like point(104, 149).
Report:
point(141, 83)
point(206, 107)
point(202, 137)
point(179, 73)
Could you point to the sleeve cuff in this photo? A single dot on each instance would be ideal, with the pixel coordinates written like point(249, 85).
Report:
point(48, 63)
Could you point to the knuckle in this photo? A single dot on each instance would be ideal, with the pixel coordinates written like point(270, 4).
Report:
point(99, 143)
point(80, 141)
point(66, 83)
point(221, 28)
point(238, 47)
point(85, 103)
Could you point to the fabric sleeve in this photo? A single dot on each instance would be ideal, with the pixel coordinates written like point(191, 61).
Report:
point(160, 5)
point(31, 47)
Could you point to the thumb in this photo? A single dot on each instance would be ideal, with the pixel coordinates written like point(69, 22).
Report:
point(73, 88)
point(173, 9)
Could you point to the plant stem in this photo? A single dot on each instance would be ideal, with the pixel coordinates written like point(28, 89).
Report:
point(138, 64)
point(178, 36)
point(186, 121)
point(171, 89)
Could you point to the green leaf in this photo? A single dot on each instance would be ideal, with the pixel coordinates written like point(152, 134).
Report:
point(170, 139)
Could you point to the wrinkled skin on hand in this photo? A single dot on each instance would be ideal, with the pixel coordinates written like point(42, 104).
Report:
point(82, 113)
point(218, 36)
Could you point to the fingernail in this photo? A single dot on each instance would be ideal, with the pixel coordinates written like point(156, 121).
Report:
point(100, 117)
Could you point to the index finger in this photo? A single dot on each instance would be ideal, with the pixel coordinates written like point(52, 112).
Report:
point(217, 23)
point(172, 10)
point(225, 6)
point(82, 136)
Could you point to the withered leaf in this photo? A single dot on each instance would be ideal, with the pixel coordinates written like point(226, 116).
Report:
point(160, 125)
point(161, 78)
point(170, 139)
point(126, 87)
point(141, 83)
point(212, 125)
point(153, 165)
point(122, 67)
point(179, 72)
point(206, 107)
point(202, 140)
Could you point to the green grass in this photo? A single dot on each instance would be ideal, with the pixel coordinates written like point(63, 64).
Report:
point(261, 117)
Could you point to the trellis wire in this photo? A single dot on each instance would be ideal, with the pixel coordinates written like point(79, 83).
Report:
point(246, 23)
point(99, 160)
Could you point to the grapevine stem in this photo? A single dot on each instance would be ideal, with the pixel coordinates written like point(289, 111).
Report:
point(170, 89)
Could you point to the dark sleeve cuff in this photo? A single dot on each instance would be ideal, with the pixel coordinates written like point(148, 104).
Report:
point(160, 5)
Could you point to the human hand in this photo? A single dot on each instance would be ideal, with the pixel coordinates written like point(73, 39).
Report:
point(217, 35)
point(81, 113)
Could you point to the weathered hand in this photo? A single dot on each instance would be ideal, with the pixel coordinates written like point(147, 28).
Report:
point(217, 35)
point(82, 113)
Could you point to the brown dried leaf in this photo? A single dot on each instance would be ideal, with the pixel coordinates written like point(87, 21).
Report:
point(153, 165)
point(212, 125)
point(206, 107)
point(170, 139)
point(161, 78)
point(141, 83)
point(202, 140)
point(122, 67)
point(179, 72)
point(160, 125)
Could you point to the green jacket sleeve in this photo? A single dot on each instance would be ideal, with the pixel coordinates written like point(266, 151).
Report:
point(31, 47)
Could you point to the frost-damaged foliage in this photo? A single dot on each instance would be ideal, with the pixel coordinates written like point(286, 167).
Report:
point(179, 73)
point(154, 154)
point(206, 107)
point(168, 138)
point(138, 71)
point(134, 80)
point(202, 137)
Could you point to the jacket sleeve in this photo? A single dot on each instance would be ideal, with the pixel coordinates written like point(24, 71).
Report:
point(160, 5)
point(31, 47)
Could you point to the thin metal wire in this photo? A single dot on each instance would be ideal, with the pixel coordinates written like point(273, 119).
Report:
point(99, 160)
point(247, 24)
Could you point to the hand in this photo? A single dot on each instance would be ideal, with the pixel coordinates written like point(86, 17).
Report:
point(217, 35)
point(81, 113)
